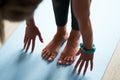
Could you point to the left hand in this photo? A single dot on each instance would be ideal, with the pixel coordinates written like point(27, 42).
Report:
point(30, 36)
point(84, 59)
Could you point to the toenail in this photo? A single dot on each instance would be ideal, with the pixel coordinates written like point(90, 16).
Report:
point(60, 61)
point(67, 63)
point(49, 59)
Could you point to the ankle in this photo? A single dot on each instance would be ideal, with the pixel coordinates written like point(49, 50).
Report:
point(74, 38)
point(62, 31)
point(74, 34)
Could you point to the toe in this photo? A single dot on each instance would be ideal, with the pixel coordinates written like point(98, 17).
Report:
point(44, 50)
point(60, 60)
point(44, 54)
point(47, 55)
point(72, 59)
point(66, 58)
point(63, 62)
point(52, 57)
point(69, 60)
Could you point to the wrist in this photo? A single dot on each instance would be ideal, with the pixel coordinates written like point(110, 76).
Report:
point(88, 51)
point(30, 22)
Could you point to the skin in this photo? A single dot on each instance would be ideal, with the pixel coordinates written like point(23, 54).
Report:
point(69, 53)
point(30, 34)
point(82, 13)
point(51, 50)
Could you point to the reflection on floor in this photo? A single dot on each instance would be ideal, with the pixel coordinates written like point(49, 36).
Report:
point(16, 65)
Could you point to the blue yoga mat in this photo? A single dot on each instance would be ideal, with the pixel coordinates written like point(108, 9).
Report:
point(16, 65)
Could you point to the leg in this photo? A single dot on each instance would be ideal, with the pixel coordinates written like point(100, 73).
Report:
point(60, 8)
point(69, 53)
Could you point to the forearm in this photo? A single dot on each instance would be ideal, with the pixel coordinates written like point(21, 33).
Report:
point(87, 34)
point(81, 10)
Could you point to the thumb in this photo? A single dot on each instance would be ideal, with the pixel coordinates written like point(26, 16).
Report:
point(40, 37)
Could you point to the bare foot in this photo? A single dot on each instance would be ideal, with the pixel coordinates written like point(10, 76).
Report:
point(69, 53)
point(51, 50)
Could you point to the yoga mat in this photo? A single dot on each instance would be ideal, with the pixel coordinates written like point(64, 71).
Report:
point(17, 65)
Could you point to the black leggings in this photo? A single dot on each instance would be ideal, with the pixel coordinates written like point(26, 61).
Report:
point(61, 8)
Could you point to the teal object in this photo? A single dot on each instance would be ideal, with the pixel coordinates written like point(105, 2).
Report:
point(86, 50)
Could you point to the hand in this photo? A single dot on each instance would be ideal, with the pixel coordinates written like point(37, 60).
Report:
point(84, 59)
point(30, 37)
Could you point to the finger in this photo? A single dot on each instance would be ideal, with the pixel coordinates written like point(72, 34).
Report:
point(78, 62)
point(86, 66)
point(81, 65)
point(33, 45)
point(28, 45)
point(91, 65)
point(25, 38)
point(25, 43)
point(40, 37)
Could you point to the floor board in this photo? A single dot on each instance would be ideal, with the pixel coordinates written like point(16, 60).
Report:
point(113, 70)
point(10, 27)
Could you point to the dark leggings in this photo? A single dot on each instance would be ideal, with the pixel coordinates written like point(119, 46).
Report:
point(61, 8)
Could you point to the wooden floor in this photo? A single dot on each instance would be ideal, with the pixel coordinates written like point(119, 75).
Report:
point(113, 70)
point(10, 27)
